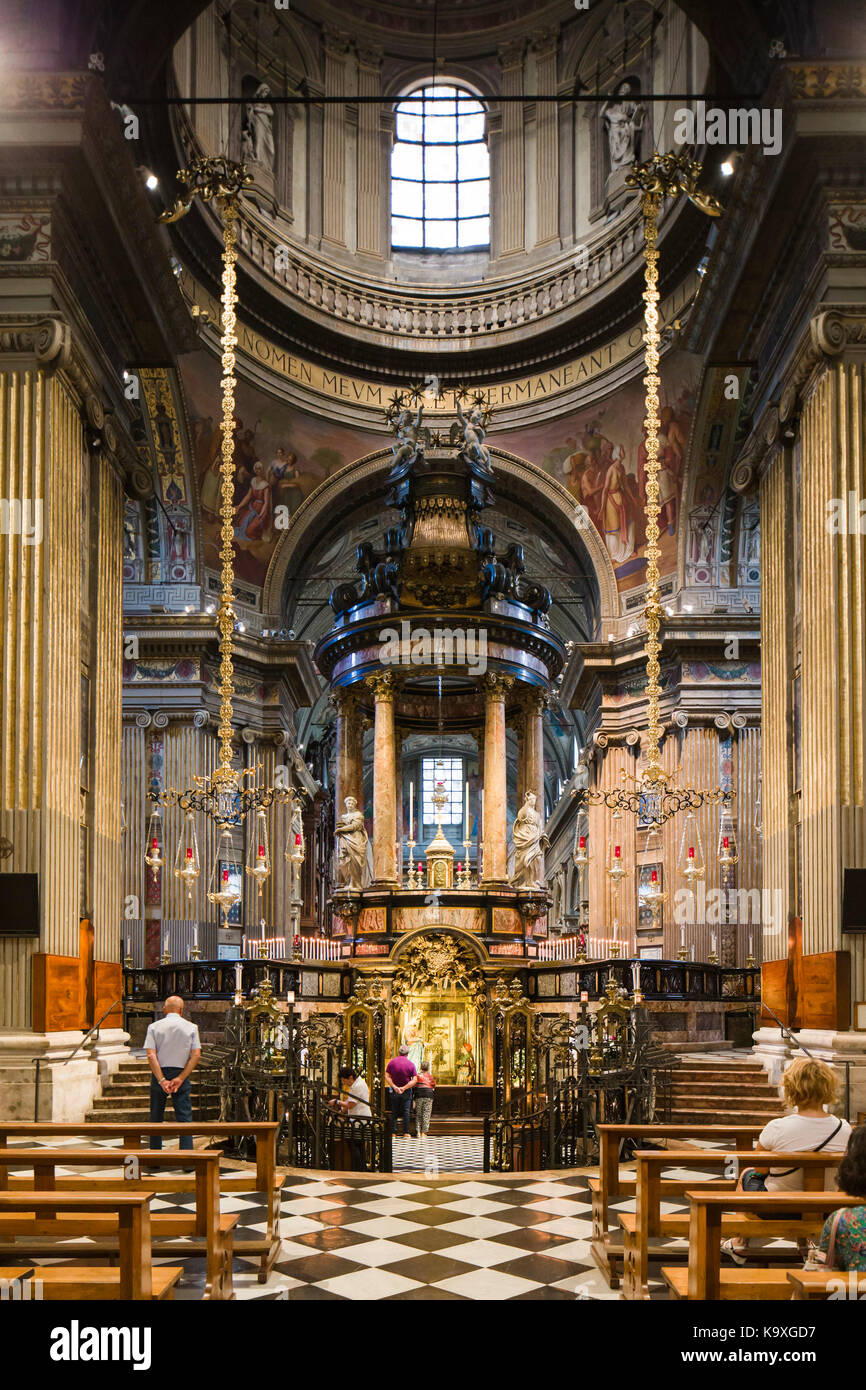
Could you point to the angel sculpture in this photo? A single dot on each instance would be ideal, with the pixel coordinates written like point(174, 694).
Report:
point(409, 443)
point(471, 431)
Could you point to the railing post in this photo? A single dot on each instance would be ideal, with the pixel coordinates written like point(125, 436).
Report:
point(486, 1142)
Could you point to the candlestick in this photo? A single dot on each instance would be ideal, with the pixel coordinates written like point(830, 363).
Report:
point(466, 816)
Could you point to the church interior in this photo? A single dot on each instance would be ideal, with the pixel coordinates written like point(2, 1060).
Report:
point(432, 482)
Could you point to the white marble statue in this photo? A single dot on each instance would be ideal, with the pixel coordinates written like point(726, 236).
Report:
point(416, 1044)
point(529, 843)
point(352, 846)
point(258, 133)
point(623, 119)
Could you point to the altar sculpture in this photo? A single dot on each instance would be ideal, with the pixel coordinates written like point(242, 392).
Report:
point(529, 843)
point(353, 845)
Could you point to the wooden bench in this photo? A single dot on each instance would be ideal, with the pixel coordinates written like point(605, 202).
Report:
point(610, 1186)
point(206, 1230)
point(792, 1215)
point(135, 1136)
point(134, 1279)
point(647, 1223)
point(827, 1283)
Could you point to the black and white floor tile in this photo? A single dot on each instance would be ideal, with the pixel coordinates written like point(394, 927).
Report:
point(418, 1236)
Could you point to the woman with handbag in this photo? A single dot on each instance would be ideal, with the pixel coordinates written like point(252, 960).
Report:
point(842, 1243)
point(808, 1085)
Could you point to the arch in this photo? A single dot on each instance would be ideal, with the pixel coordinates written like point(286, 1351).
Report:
point(340, 493)
point(464, 937)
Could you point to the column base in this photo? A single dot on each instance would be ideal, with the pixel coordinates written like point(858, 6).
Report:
point(383, 885)
point(65, 1090)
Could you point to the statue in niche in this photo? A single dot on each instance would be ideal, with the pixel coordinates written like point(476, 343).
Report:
point(352, 846)
point(416, 1044)
point(257, 137)
point(529, 843)
point(623, 118)
point(470, 430)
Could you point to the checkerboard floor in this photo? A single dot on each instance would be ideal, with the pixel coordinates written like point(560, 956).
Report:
point(439, 1153)
point(416, 1236)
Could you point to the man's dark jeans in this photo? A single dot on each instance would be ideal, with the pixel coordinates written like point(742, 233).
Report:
point(182, 1100)
point(401, 1105)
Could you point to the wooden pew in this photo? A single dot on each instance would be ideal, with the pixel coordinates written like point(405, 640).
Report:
point(207, 1230)
point(647, 1222)
point(134, 1279)
point(610, 1186)
point(827, 1283)
point(135, 1136)
point(793, 1215)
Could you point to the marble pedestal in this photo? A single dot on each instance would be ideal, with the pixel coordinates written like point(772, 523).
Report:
point(845, 1051)
point(65, 1088)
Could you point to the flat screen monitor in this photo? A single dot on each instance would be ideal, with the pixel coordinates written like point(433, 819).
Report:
point(854, 900)
point(19, 905)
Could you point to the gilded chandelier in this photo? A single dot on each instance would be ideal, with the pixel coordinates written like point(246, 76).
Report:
point(655, 796)
point(229, 796)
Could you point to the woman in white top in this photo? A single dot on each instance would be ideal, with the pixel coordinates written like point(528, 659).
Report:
point(808, 1086)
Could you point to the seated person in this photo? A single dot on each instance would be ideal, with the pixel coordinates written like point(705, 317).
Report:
point(808, 1085)
point(843, 1239)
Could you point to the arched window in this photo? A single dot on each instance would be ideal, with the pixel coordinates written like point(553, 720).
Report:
point(440, 172)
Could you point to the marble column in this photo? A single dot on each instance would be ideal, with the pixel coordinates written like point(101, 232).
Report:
point(511, 238)
point(495, 805)
point(334, 168)
point(369, 182)
point(545, 44)
point(533, 780)
point(384, 781)
point(348, 781)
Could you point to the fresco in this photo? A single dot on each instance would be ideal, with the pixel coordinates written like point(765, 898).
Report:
point(599, 455)
point(281, 455)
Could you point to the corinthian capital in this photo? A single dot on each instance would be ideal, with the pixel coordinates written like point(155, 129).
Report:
point(496, 686)
point(511, 54)
point(384, 686)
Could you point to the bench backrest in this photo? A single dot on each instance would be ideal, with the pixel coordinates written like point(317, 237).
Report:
point(264, 1132)
point(133, 1215)
point(611, 1137)
point(781, 1214)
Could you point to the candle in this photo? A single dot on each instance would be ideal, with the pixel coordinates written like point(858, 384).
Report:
point(459, 867)
point(691, 851)
point(616, 851)
point(466, 815)
point(129, 946)
point(238, 976)
point(614, 931)
point(693, 951)
point(297, 838)
point(724, 842)
point(290, 998)
point(635, 976)
point(654, 877)
point(411, 806)
point(713, 942)
point(189, 851)
point(261, 854)
point(225, 875)
point(195, 935)
point(682, 936)
point(582, 842)
point(750, 945)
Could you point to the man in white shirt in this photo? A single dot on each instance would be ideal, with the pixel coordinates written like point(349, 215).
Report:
point(356, 1106)
point(173, 1051)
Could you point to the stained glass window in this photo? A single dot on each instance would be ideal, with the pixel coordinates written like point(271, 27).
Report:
point(440, 172)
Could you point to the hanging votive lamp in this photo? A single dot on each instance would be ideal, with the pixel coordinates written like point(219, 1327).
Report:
point(223, 890)
point(616, 870)
point(691, 857)
point(258, 853)
point(187, 864)
point(727, 848)
point(153, 857)
point(653, 896)
point(580, 854)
